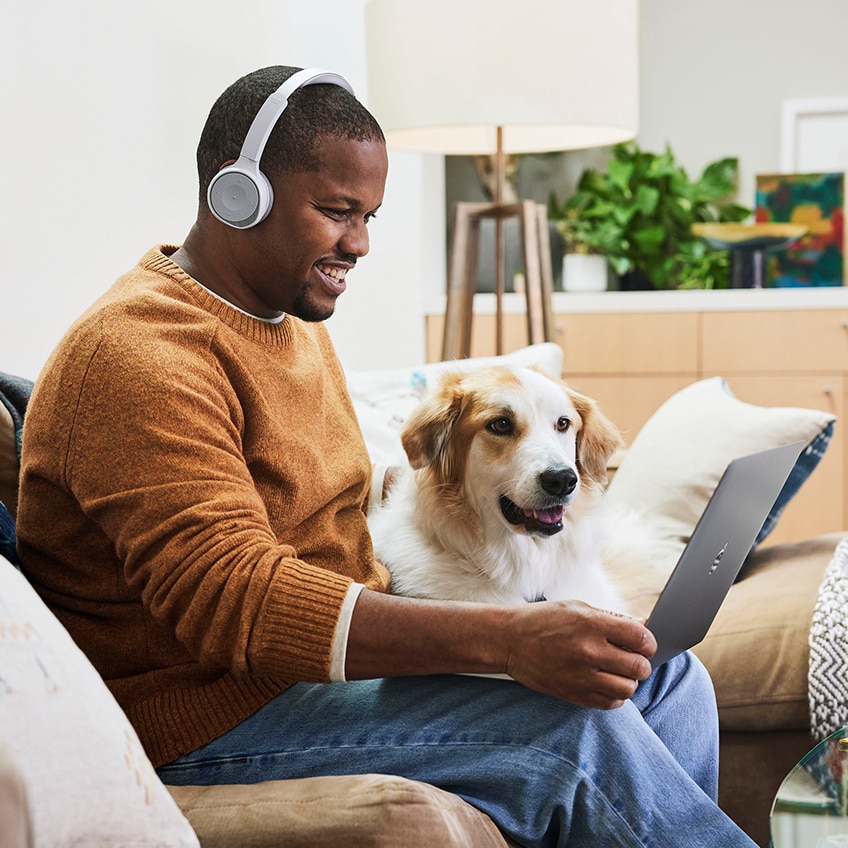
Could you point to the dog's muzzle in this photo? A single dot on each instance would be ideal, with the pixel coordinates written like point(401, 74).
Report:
point(556, 483)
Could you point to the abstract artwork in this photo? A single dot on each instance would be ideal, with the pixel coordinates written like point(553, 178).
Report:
point(818, 202)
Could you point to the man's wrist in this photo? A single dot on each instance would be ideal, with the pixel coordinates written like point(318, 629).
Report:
point(393, 636)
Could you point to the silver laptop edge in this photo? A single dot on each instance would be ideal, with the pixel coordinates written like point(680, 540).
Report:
point(717, 549)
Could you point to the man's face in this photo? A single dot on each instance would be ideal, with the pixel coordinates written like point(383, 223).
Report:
point(295, 261)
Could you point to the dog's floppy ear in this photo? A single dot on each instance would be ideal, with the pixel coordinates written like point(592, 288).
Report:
point(425, 432)
point(597, 440)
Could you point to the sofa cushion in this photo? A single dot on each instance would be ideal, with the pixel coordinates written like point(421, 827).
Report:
point(757, 649)
point(383, 399)
point(87, 777)
point(676, 460)
point(357, 811)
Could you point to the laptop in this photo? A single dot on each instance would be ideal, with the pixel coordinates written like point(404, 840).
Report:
point(720, 542)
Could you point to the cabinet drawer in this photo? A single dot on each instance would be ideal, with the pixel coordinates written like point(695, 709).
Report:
point(634, 343)
point(483, 335)
point(814, 340)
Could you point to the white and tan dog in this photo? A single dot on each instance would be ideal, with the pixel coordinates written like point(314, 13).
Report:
point(501, 499)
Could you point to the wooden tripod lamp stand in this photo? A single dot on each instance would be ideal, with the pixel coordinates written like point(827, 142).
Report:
point(462, 273)
point(456, 78)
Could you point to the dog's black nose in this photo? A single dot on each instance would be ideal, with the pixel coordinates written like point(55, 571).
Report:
point(558, 481)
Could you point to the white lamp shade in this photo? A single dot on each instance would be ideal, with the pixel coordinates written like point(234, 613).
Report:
point(443, 75)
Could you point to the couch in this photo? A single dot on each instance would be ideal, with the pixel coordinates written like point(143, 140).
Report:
point(71, 767)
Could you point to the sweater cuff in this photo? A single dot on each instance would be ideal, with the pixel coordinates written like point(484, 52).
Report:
point(339, 654)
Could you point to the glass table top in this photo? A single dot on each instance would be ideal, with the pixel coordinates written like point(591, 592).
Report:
point(810, 809)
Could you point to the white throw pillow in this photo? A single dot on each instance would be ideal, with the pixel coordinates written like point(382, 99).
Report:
point(87, 777)
point(384, 399)
point(670, 471)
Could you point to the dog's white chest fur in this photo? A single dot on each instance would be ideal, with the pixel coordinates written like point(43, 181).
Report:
point(501, 501)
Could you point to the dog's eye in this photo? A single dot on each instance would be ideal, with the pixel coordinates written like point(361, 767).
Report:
point(500, 426)
point(563, 423)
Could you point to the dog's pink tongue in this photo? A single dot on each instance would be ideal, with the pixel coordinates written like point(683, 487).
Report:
point(546, 516)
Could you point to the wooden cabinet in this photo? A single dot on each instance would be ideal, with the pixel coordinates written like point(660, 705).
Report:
point(792, 353)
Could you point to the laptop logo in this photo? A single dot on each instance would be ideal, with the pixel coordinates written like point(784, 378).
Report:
point(719, 555)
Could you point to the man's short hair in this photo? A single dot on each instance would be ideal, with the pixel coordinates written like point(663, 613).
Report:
point(313, 111)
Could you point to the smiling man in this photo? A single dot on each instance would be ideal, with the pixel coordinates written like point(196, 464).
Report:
point(192, 507)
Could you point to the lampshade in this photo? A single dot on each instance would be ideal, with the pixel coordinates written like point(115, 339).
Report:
point(443, 75)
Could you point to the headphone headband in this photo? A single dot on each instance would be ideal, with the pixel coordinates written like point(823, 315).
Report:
point(240, 194)
point(268, 115)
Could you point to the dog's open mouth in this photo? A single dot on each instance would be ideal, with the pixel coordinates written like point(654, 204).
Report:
point(545, 521)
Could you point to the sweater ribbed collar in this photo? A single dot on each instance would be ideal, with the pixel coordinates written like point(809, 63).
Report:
point(158, 260)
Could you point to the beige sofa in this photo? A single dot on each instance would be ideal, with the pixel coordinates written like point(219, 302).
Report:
point(756, 652)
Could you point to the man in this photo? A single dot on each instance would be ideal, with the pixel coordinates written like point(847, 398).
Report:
point(192, 508)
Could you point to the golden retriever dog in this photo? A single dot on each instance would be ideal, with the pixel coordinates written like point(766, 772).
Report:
point(500, 502)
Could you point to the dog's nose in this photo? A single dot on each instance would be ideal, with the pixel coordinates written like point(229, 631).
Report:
point(558, 481)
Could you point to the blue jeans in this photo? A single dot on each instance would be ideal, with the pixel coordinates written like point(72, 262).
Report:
point(547, 772)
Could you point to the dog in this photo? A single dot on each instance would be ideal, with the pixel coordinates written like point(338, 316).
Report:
point(501, 499)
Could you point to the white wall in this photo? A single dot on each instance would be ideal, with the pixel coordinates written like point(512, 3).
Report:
point(715, 74)
point(102, 104)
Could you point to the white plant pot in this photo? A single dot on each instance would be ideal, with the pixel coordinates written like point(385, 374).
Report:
point(585, 273)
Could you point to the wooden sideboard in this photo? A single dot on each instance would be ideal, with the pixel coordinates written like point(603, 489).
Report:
point(631, 351)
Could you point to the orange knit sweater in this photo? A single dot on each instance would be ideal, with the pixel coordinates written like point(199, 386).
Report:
point(192, 502)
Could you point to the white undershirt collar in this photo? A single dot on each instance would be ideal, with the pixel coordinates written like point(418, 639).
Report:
point(238, 309)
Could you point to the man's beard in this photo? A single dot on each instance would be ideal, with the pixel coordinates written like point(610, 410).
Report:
point(305, 308)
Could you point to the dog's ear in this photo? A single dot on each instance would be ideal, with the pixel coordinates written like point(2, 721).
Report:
point(425, 432)
point(597, 439)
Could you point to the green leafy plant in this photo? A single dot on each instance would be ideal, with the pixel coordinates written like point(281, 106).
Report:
point(639, 214)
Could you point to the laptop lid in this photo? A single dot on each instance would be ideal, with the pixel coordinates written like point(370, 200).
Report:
point(719, 544)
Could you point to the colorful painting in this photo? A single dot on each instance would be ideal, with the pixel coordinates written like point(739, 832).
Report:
point(818, 202)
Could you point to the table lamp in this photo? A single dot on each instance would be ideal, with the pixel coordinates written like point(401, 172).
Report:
point(499, 77)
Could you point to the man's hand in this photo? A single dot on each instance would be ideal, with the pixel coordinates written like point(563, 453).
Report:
point(578, 653)
point(566, 649)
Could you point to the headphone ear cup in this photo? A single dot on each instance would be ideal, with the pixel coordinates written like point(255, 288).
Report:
point(239, 196)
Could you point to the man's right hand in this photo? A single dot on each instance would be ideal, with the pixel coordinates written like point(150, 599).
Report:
point(566, 649)
point(578, 653)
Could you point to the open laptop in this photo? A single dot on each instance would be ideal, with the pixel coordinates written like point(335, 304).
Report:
point(720, 542)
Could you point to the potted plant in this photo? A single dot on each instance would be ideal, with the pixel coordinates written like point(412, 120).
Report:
point(639, 215)
point(584, 265)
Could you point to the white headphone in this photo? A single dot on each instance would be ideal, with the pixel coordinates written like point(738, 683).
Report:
point(240, 194)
